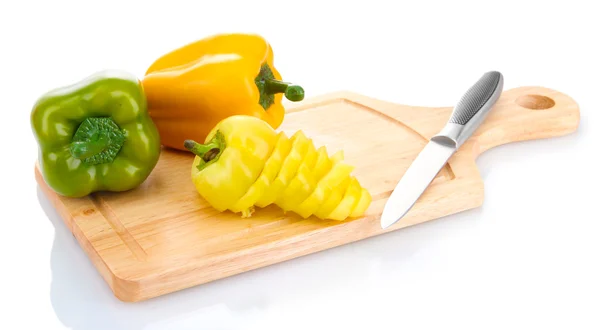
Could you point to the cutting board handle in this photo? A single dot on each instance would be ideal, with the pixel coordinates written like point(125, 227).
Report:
point(527, 113)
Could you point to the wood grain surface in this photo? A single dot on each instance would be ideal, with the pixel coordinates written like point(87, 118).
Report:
point(162, 237)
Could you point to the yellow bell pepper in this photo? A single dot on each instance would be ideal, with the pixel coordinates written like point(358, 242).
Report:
point(244, 163)
point(190, 89)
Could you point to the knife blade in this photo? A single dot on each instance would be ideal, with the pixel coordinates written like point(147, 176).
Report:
point(467, 115)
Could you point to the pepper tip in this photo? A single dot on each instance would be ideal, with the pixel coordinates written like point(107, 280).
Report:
point(294, 93)
point(189, 144)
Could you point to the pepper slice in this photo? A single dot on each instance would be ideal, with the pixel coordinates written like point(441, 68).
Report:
point(363, 203)
point(335, 197)
point(270, 170)
point(323, 163)
point(302, 183)
point(287, 171)
point(325, 186)
point(273, 169)
point(346, 205)
point(95, 135)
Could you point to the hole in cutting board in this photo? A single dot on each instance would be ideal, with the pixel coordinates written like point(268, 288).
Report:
point(535, 102)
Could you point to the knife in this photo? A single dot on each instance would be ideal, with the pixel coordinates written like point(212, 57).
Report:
point(467, 115)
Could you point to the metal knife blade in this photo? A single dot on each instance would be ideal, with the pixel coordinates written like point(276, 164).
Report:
point(466, 117)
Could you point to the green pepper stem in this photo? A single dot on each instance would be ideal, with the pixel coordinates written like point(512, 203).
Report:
point(209, 152)
point(292, 92)
point(86, 149)
point(97, 140)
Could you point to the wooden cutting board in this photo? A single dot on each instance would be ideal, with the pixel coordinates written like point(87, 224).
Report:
point(162, 237)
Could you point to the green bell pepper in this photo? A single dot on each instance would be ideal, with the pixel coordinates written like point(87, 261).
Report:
point(95, 135)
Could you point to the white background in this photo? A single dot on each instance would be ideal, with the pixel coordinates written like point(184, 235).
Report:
point(528, 258)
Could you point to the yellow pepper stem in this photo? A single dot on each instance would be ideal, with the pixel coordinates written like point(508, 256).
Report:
point(268, 85)
point(209, 152)
point(293, 93)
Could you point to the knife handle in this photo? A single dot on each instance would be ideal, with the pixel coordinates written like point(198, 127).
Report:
point(471, 110)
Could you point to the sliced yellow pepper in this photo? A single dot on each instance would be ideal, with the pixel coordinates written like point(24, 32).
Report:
point(231, 160)
point(244, 163)
point(269, 172)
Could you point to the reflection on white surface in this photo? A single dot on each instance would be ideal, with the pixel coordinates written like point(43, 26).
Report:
point(82, 300)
